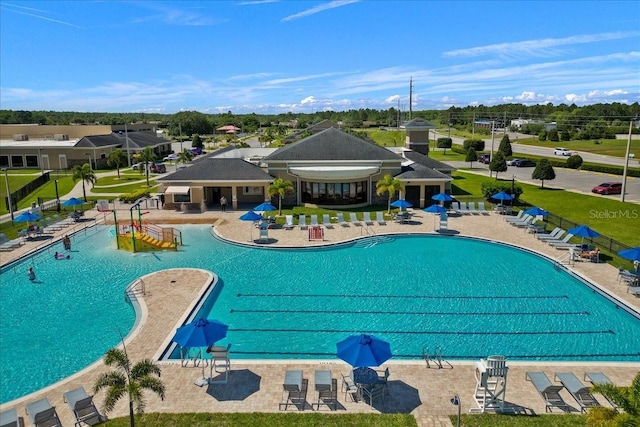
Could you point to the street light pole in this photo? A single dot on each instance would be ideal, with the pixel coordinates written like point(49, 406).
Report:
point(513, 190)
point(180, 131)
point(57, 196)
point(455, 401)
point(6, 180)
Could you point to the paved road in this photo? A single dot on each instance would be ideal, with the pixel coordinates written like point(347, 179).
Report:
point(544, 151)
point(567, 179)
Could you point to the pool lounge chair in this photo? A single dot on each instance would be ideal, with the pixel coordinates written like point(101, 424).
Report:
point(326, 221)
point(380, 218)
point(367, 218)
point(354, 218)
point(482, 210)
point(518, 217)
point(341, 221)
point(302, 222)
point(564, 242)
point(82, 406)
point(464, 209)
point(288, 222)
point(578, 390)
point(550, 393)
point(555, 234)
point(9, 418)
point(41, 413)
point(51, 224)
point(525, 222)
point(600, 378)
point(65, 222)
point(314, 221)
point(472, 208)
point(455, 207)
point(634, 290)
point(6, 244)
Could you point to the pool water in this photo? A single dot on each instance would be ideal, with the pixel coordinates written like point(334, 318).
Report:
point(467, 297)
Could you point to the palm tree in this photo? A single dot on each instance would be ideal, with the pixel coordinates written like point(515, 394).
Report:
point(117, 158)
point(146, 156)
point(390, 185)
point(129, 380)
point(627, 398)
point(85, 173)
point(185, 156)
point(279, 187)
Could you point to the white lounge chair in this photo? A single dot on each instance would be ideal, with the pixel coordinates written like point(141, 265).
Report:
point(82, 406)
point(578, 390)
point(9, 418)
point(634, 290)
point(463, 208)
point(349, 387)
point(314, 221)
point(550, 393)
point(472, 208)
point(354, 218)
point(41, 413)
point(555, 234)
point(455, 207)
point(288, 222)
point(367, 218)
point(380, 218)
point(482, 210)
point(341, 221)
point(326, 221)
point(525, 222)
point(561, 242)
point(518, 217)
point(62, 221)
point(302, 222)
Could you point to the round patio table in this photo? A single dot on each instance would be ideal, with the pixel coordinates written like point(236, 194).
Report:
point(365, 376)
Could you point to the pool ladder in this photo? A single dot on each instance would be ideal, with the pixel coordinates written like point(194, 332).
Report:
point(435, 358)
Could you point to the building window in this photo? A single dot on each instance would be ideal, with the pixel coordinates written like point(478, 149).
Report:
point(334, 193)
point(182, 198)
point(252, 191)
point(4, 161)
point(32, 161)
point(17, 161)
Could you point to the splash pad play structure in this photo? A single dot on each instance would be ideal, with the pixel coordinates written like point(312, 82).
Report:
point(138, 236)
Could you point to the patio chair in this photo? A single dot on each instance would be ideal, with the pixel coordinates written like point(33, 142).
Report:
point(550, 393)
point(600, 378)
point(326, 221)
point(525, 222)
point(455, 207)
point(288, 222)
point(9, 418)
point(354, 218)
point(82, 406)
point(294, 390)
point(634, 290)
point(302, 222)
point(51, 224)
point(327, 389)
point(220, 363)
point(314, 221)
point(41, 413)
point(383, 379)
point(578, 390)
point(373, 393)
point(65, 222)
point(341, 220)
point(367, 218)
point(380, 218)
point(349, 387)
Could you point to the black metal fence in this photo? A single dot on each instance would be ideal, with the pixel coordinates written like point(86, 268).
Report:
point(603, 242)
point(23, 192)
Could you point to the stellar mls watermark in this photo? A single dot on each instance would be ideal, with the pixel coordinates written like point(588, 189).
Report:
point(614, 214)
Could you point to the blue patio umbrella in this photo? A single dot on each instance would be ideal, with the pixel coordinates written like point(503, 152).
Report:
point(536, 211)
point(27, 217)
point(436, 209)
point(200, 333)
point(502, 196)
point(72, 202)
point(265, 207)
point(251, 216)
point(363, 350)
point(583, 231)
point(402, 204)
point(442, 197)
point(632, 254)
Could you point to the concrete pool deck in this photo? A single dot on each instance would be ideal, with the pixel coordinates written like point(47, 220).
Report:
point(255, 386)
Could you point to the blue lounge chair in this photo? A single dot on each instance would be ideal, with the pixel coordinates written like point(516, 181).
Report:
point(41, 413)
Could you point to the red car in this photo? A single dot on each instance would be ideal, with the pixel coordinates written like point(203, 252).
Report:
point(608, 188)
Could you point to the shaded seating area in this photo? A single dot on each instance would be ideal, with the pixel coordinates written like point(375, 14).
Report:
point(294, 391)
point(82, 406)
point(550, 393)
point(42, 414)
point(577, 389)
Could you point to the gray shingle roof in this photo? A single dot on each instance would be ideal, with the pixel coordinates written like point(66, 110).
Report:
point(418, 171)
point(427, 161)
point(213, 169)
point(95, 141)
point(418, 123)
point(331, 144)
point(137, 140)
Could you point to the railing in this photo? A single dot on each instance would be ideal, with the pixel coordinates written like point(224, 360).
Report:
point(604, 242)
point(135, 288)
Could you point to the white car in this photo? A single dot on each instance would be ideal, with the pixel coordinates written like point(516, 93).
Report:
point(170, 157)
point(510, 162)
point(137, 166)
point(561, 152)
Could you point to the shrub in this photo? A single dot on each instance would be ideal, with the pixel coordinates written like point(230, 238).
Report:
point(476, 144)
point(489, 188)
point(445, 143)
point(132, 197)
point(574, 161)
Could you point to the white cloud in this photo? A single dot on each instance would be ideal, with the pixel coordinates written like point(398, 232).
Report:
point(320, 8)
point(308, 100)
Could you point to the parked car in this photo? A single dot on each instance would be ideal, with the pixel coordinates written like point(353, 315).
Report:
point(137, 166)
point(196, 151)
point(559, 151)
point(158, 168)
point(608, 188)
point(170, 158)
point(510, 162)
point(484, 158)
point(524, 163)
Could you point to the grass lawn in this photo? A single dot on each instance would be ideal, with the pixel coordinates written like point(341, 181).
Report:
point(267, 419)
point(127, 188)
point(124, 179)
point(610, 147)
point(503, 420)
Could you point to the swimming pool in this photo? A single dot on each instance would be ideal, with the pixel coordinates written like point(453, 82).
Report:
point(471, 298)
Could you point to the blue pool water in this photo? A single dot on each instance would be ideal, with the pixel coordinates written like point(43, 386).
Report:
point(471, 298)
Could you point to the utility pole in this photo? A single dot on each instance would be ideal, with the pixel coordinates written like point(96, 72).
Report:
point(493, 122)
point(126, 137)
point(504, 123)
point(180, 130)
point(449, 125)
point(626, 163)
point(410, 97)
point(473, 126)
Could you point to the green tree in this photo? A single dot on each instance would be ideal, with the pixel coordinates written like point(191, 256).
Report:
point(574, 161)
point(565, 135)
point(117, 158)
point(146, 156)
point(553, 135)
point(185, 157)
point(498, 163)
point(444, 143)
point(86, 174)
point(196, 141)
point(627, 398)
point(542, 135)
point(471, 157)
point(505, 146)
point(389, 185)
point(127, 379)
point(543, 171)
point(279, 187)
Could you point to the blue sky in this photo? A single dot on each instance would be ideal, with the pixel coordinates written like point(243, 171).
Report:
point(306, 56)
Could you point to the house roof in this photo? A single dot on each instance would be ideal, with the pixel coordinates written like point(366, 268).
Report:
point(137, 140)
point(219, 169)
point(99, 141)
point(331, 144)
point(418, 171)
point(427, 161)
point(315, 128)
point(418, 123)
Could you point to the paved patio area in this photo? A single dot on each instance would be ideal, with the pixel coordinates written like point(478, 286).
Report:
point(256, 385)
